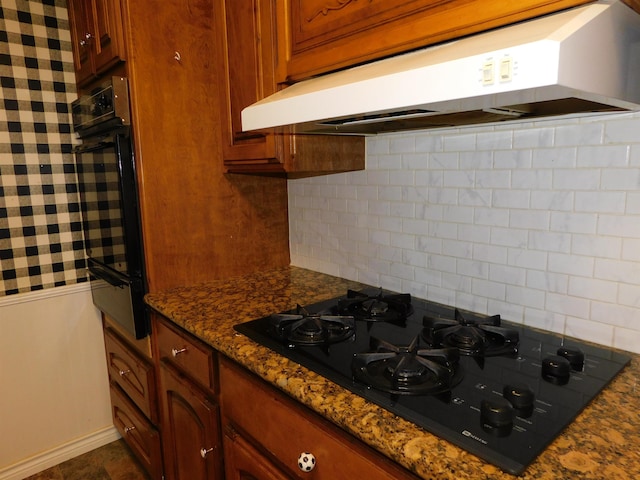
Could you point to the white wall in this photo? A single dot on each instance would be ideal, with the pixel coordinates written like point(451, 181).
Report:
point(539, 222)
point(54, 402)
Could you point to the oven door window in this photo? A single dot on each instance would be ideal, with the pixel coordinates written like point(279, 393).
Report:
point(101, 200)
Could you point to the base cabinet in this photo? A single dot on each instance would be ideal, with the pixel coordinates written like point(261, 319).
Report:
point(133, 389)
point(188, 393)
point(266, 432)
point(243, 462)
point(137, 431)
point(191, 430)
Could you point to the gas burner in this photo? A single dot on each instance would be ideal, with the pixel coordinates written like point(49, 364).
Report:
point(407, 370)
point(392, 308)
point(304, 328)
point(478, 337)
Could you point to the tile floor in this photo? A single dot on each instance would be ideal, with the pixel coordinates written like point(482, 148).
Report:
point(114, 461)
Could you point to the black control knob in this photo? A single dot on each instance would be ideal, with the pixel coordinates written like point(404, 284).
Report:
point(575, 357)
point(556, 369)
point(497, 416)
point(521, 399)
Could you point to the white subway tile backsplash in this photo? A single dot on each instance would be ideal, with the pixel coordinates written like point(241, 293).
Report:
point(554, 157)
point(603, 156)
point(576, 179)
point(493, 179)
point(592, 246)
point(402, 144)
point(511, 198)
point(567, 305)
point(631, 249)
point(591, 288)
point(476, 160)
point(552, 200)
point(590, 331)
point(585, 223)
point(533, 138)
point(579, 134)
point(537, 222)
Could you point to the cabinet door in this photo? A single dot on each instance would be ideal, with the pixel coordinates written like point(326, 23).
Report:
point(190, 430)
point(96, 35)
point(141, 436)
point(248, 54)
point(326, 35)
point(243, 462)
point(107, 30)
point(81, 34)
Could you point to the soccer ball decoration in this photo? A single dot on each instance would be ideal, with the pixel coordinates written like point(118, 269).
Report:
point(306, 461)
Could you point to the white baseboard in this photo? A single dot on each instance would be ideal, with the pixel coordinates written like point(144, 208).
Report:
point(55, 456)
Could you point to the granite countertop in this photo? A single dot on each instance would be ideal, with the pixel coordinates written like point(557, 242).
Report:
point(602, 443)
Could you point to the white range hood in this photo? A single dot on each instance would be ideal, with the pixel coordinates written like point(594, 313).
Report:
point(586, 59)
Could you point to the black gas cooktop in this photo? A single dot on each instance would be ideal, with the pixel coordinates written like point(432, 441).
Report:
point(500, 390)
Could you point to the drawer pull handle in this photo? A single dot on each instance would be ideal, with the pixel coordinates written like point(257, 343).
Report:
point(124, 372)
point(204, 452)
point(129, 429)
point(306, 461)
point(177, 351)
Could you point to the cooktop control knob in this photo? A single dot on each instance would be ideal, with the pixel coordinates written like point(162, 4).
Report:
point(497, 416)
point(556, 369)
point(521, 399)
point(575, 357)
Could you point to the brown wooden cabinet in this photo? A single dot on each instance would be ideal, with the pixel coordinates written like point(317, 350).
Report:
point(247, 51)
point(133, 390)
point(243, 462)
point(97, 37)
point(326, 35)
point(285, 430)
point(191, 439)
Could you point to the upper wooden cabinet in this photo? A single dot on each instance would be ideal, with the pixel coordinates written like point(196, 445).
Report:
point(97, 37)
point(248, 58)
point(326, 35)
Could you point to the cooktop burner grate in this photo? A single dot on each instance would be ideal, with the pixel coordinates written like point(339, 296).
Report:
point(479, 337)
point(304, 328)
point(407, 370)
point(378, 307)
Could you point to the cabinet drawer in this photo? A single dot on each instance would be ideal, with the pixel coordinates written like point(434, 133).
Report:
point(137, 431)
point(133, 373)
point(192, 357)
point(285, 429)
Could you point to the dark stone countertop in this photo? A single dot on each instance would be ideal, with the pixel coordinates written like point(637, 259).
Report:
point(602, 443)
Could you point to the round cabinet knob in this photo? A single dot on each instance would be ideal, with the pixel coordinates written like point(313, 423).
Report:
point(306, 461)
point(496, 416)
point(205, 451)
point(520, 397)
point(177, 351)
point(556, 370)
point(575, 357)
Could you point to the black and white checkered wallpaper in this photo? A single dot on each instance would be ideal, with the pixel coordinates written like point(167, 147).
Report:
point(40, 227)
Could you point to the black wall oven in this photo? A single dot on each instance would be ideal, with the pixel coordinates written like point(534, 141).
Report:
point(109, 203)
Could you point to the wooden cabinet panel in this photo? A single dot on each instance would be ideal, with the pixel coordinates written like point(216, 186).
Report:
point(137, 431)
point(326, 35)
point(286, 429)
point(132, 373)
point(193, 357)
point(97, 37)
point(108, 33)
point(243, 462)
point(190, 430)
point(248, 47)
